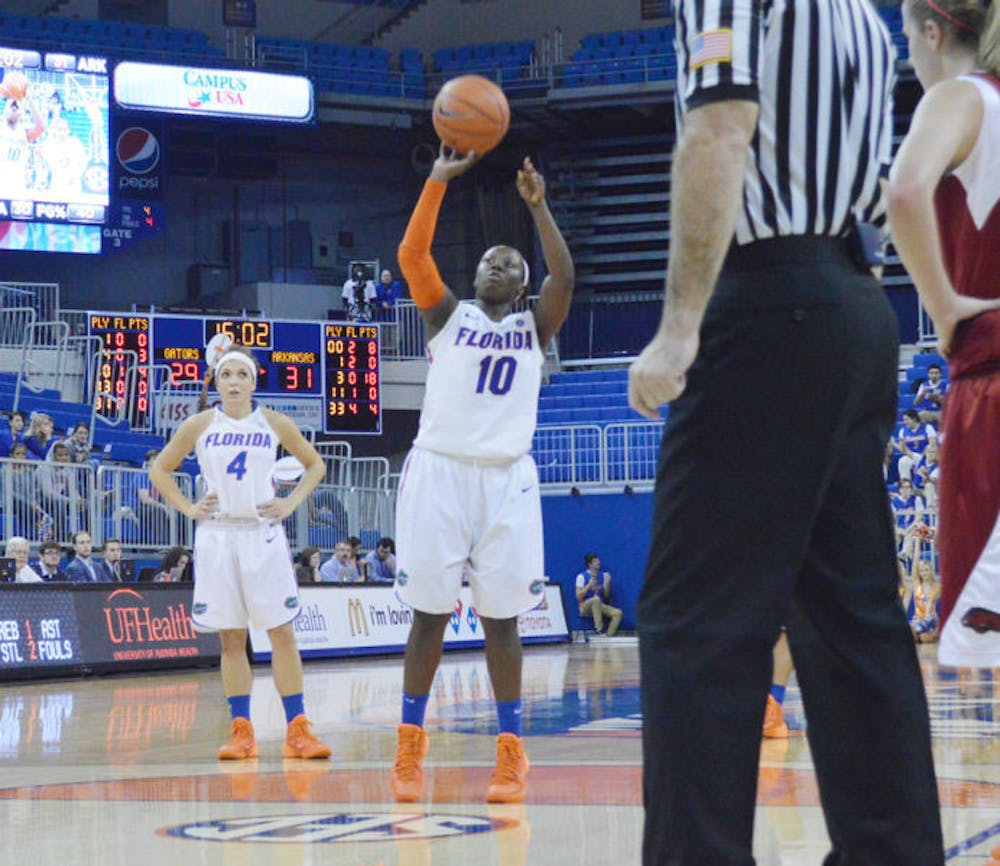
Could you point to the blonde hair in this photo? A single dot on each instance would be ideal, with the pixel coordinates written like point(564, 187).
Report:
point(37, 418)
point(16, 541)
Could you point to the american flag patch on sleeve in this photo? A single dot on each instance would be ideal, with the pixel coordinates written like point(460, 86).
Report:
point(712, 46)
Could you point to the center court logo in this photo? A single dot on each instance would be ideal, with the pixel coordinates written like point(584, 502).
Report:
point(356, 618)
point(337, 827)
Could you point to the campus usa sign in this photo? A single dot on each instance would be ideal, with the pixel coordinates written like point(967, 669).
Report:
point(234, 93)
point(355, 619)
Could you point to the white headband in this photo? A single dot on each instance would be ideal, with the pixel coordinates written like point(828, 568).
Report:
point(527, 271)
point(243, 359)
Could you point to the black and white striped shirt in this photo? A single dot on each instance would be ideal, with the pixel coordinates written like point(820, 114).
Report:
point(822, 72)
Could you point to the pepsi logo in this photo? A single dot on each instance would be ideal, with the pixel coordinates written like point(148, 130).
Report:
point(138, 150)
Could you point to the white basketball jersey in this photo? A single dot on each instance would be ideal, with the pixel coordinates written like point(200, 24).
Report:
point(481, 399)
point(13, 155)
point(236, 458)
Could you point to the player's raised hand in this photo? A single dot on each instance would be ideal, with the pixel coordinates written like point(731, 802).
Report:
point(450, 163)
point(530, 184)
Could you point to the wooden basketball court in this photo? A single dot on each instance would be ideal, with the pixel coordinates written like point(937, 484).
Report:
point(122, 770)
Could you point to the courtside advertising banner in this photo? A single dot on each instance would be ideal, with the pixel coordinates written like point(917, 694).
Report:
point(220, 93)
point(65, 629)
point(339, 620)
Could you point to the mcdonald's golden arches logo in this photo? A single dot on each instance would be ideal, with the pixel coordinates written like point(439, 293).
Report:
point(356, 618)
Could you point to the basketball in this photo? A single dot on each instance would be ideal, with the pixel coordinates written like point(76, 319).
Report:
point(471, 113)
point(14, 85)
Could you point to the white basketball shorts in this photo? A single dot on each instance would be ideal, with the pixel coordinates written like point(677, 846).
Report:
point(243, 576)
point(455, 517)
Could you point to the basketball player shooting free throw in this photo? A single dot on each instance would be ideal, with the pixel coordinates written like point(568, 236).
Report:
point(468, 497)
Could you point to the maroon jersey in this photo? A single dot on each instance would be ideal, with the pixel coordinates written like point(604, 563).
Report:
point(968, 216)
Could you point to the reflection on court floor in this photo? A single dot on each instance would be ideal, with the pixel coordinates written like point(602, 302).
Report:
point(113, 770)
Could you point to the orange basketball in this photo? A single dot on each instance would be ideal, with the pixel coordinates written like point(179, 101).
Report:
point(471, 113)
point(14, 85)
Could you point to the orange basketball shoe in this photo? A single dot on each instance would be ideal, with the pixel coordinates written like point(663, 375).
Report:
point(407, 777)
point(508, 782)
point(241, 743)
point(300, 742)
point(774, 720)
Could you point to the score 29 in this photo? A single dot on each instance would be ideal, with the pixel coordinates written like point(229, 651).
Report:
point(184, 371)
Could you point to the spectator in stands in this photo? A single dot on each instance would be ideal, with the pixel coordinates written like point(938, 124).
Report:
point(39, 438)
point(13, 433)
point(174, 567)
point(925, 475)
point(358, 295)
point(78, 443)
point(307, 565)
point(112, 564)
point(593, 595)
point(910, 441)
point(930, 395)
point(388, 291)
point(49, 565)
point(83, 568)
point(59, 492)
point(356, 558)
point(926, 592)
point(339, 568)
point(18, 549)
point(326, 510)
point(148, 506)
point(29, 517)
point(909, 510)
point(380, 563)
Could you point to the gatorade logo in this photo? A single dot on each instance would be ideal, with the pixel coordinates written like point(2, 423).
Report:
point(138, 150)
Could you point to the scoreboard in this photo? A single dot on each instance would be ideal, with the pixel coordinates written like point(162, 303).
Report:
point(331, 365)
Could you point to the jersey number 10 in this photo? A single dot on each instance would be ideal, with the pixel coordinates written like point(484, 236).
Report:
point(497, 377)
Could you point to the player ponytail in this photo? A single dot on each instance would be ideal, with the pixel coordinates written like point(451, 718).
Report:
point(203, 395)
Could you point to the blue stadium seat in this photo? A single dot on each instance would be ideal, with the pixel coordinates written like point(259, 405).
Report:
point(925, 359)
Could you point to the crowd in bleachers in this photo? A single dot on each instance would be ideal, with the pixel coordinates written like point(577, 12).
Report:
point(911, 471)
point(57, 488)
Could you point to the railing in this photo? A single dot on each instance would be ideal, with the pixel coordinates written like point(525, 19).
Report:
point(587, 455)
point(43, 298)
point(132, 511)
point(15, 322)
point(47, 500)
point(54, 337)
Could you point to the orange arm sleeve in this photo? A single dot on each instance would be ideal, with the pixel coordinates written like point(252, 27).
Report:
point(426, 286)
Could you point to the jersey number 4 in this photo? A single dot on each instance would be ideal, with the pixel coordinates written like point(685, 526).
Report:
point(238, 466)
point(497, 377)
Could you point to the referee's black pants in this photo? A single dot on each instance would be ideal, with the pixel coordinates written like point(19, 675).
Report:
point(771, 509)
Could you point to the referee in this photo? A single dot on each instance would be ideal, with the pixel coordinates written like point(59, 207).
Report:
point(778, 350)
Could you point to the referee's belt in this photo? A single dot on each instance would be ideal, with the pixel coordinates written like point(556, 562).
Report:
point(851, 249)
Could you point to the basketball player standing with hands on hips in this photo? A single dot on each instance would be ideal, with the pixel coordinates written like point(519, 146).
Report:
point(772, 316)
point(468, 497)
point(944, 211)
point(243, 566)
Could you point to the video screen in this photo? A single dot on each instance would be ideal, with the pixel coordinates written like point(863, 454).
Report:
point(54, 172)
